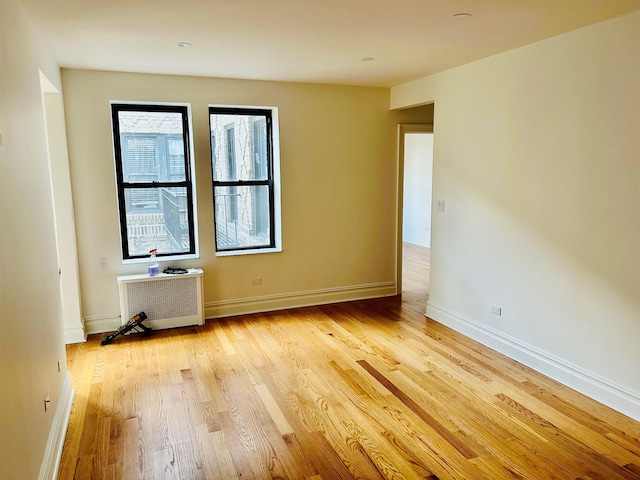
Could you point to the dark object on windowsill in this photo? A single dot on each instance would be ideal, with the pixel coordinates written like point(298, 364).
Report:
point(174, 270)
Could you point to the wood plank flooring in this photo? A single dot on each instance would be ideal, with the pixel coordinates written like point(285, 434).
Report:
point(360, 390)
point(416, 266)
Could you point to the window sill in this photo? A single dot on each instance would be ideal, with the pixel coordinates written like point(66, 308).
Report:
point(161, 260)
point(232, 253)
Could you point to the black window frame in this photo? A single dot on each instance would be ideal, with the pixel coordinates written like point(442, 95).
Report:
point(267, 113)
point(123, 186)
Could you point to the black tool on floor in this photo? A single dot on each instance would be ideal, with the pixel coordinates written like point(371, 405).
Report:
point(134, 324)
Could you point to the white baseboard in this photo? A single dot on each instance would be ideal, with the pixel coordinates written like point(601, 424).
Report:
point(53, 451)
point(308, 298)
point(102, 324)
point(588, 383)
point(74, 334)
point(416, 240)
point(266, 303)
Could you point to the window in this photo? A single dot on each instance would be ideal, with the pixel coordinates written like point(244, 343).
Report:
point(246, 190)
point(153, 172)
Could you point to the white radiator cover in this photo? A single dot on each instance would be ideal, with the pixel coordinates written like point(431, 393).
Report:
point(168, 300)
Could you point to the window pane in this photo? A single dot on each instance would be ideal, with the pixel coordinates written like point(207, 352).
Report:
point(239, 147)
point(152, 146)
point(175, 158)
point(242, 217)
point(259, 140)
point(157, 218)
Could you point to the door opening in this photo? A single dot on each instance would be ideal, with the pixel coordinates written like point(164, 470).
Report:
point(414, 215)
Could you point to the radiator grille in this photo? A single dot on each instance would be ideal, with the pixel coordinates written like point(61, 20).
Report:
point(164, 299)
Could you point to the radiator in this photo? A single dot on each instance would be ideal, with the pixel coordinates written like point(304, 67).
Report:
point(168, 300)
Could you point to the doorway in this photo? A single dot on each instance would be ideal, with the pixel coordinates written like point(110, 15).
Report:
point(414, 226)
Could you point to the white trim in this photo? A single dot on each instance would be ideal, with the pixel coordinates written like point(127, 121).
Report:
point(266, 303)
point(308, 298)
point(192, 166)
point(53, 450)
point(230, 253)
point(74, 334)
point(102, 323)
point(603, 390)
point(277, 187)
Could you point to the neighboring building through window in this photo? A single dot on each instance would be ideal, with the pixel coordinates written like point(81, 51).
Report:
point(246, 190)
point(153, 172)
point(231, 202)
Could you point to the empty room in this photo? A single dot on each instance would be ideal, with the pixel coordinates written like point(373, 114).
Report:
point(208, 266)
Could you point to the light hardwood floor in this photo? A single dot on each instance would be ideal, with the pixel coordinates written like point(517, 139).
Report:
point(360, 390)
point(416, 266)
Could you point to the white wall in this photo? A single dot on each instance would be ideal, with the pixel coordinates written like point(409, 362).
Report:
point(31, 339)
point(56, 137)
point(418, 164)
point(537, 155)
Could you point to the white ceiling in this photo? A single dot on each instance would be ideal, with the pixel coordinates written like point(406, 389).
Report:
point(321, 41)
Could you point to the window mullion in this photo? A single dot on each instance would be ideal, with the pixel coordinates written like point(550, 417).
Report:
point(241, 183)
point(156, 184)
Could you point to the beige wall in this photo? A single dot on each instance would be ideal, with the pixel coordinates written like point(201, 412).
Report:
point(31, 338)
point(537, 155)
point(338, 191)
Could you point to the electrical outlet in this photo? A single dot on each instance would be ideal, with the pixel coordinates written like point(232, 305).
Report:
point(256, 281)
point(496, 310)
point(440, 206)
point(103, 263)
